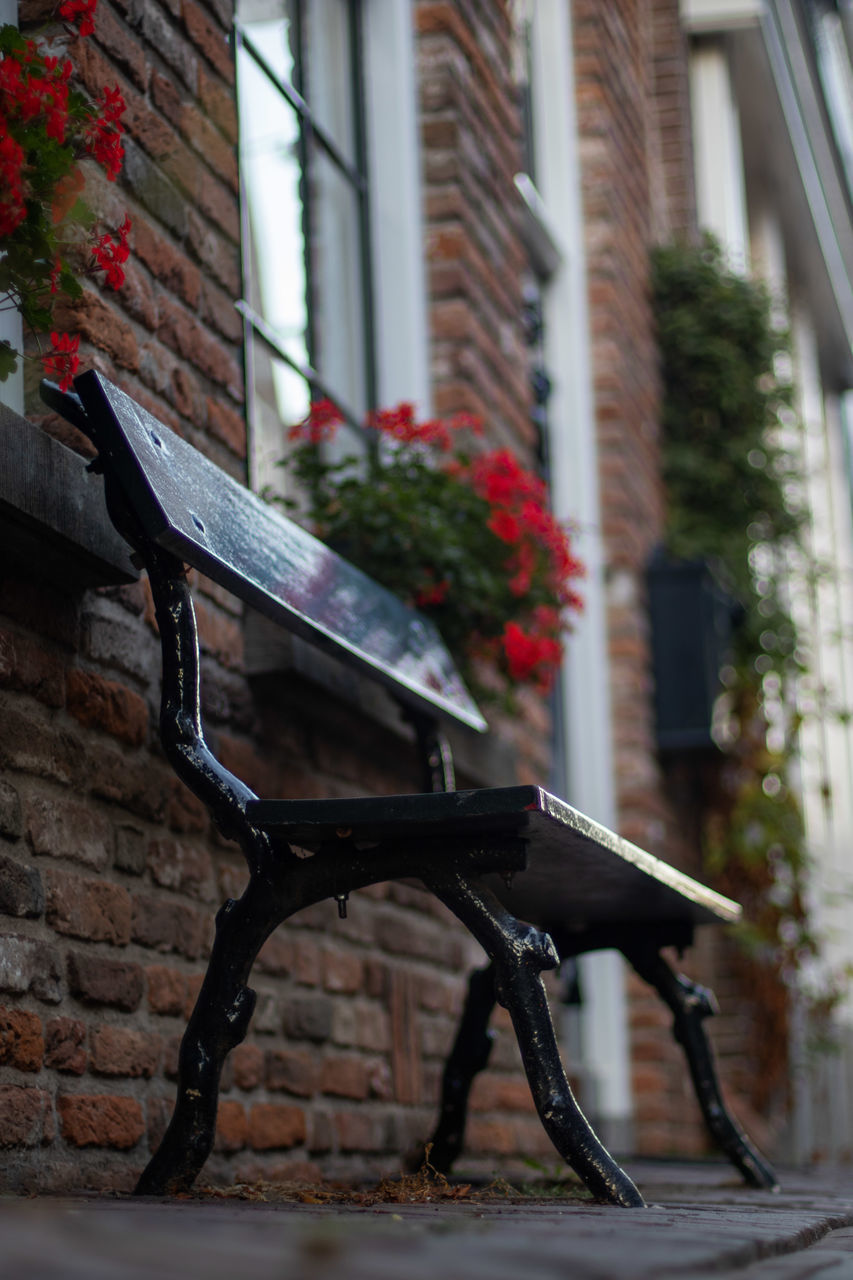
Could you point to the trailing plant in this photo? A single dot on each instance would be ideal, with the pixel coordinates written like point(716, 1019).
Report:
point(463, 533)
point(727, 396)
point(48, 234)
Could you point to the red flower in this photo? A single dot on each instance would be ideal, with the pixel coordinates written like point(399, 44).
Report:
point(432, 593)
point(13, 210)
point(504, 526)
point(63, 361)
point(530, 656)
point(109, 255)
point(104, 136)
point(321, 423)
point(84, 10)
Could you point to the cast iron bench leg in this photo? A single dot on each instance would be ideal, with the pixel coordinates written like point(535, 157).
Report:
point(218, 1022)
point(691, 1004)
point(468, 1057)
point(520, 953)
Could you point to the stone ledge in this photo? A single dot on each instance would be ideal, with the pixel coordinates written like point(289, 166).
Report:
point(53, 517)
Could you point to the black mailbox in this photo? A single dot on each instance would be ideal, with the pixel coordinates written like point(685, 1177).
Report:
point(691, 625)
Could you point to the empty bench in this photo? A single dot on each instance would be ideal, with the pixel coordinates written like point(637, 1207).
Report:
point(531, 878)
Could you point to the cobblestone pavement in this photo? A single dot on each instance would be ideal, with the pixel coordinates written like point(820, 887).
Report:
point(701, 1225)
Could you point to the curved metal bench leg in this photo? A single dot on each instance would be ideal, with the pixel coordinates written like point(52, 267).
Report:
point(520, 953)
point(691, 1004)
point(468, 1057)
point(218, 1022)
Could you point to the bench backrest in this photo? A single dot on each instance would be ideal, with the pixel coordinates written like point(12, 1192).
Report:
point(187, 505)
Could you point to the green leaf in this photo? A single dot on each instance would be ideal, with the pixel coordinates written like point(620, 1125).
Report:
point(8, 360)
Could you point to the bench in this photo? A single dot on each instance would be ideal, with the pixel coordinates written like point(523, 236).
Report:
point(531, 878)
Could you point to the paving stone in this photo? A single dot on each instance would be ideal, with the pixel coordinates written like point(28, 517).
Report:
point(702, 1226)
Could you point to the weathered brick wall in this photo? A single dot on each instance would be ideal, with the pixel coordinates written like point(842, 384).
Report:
point(110, 875)
point(109, 870)
point(471, 142)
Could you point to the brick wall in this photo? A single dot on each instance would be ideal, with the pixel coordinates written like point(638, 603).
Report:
point(471, 143)
point(110, 871)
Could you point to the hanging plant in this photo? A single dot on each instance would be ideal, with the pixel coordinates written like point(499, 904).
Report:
point(727, 397)
point(47, 129)
point(462, 533)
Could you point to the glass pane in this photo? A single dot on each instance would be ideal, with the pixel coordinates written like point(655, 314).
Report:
point(328, 70)
point(271, 26)
point(338, 298)
point(280, 397)
point(274, 248)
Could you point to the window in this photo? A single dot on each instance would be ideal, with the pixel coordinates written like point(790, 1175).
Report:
point(836, 76)
point(307, 302)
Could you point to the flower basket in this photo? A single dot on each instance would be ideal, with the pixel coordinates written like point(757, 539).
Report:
point(460, 532)
point(48, 234)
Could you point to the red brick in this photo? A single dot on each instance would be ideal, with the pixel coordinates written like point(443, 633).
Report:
point(273, 1126)
point(358, 1131)
point(93, 909)
point(101, 324)
point(214, 149)
point(295, 1073)
point(344, 1077)
point(99, 1120)
point(65, 828)
point(181, 865)
point(498, 1093)
point(43, 750)
point(118, 1051)
point(276, 955)
point(232, 1126)
point(218, 102)
point(21, 892)
point(181, 333)
point(209, 38)
point(227, 425)
point(307, 960)
point(65, 1046)
point(126, 50)
point(142, 786)
point(185, 812)
point(166, 263)
point(27, 665)
point(492, 1137)
point(26, 1116)
point(168, 925)
point(248, 1064)
point(220, 635)
point(96, 979)
point(102, 704)
point(343, 971)
point(167, 990)
point(21, 1040)
point(214, 251)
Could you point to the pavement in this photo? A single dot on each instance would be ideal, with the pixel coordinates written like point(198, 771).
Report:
point(701, 1224)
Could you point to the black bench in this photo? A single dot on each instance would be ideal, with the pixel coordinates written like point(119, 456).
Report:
point(531, 878)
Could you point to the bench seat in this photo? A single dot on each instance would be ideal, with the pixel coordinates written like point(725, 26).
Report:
point(576, 871)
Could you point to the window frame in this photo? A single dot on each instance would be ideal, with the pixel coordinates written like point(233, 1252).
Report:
point(355, 173)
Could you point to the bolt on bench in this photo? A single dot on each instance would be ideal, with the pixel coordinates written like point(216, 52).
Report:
point(532, 879)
